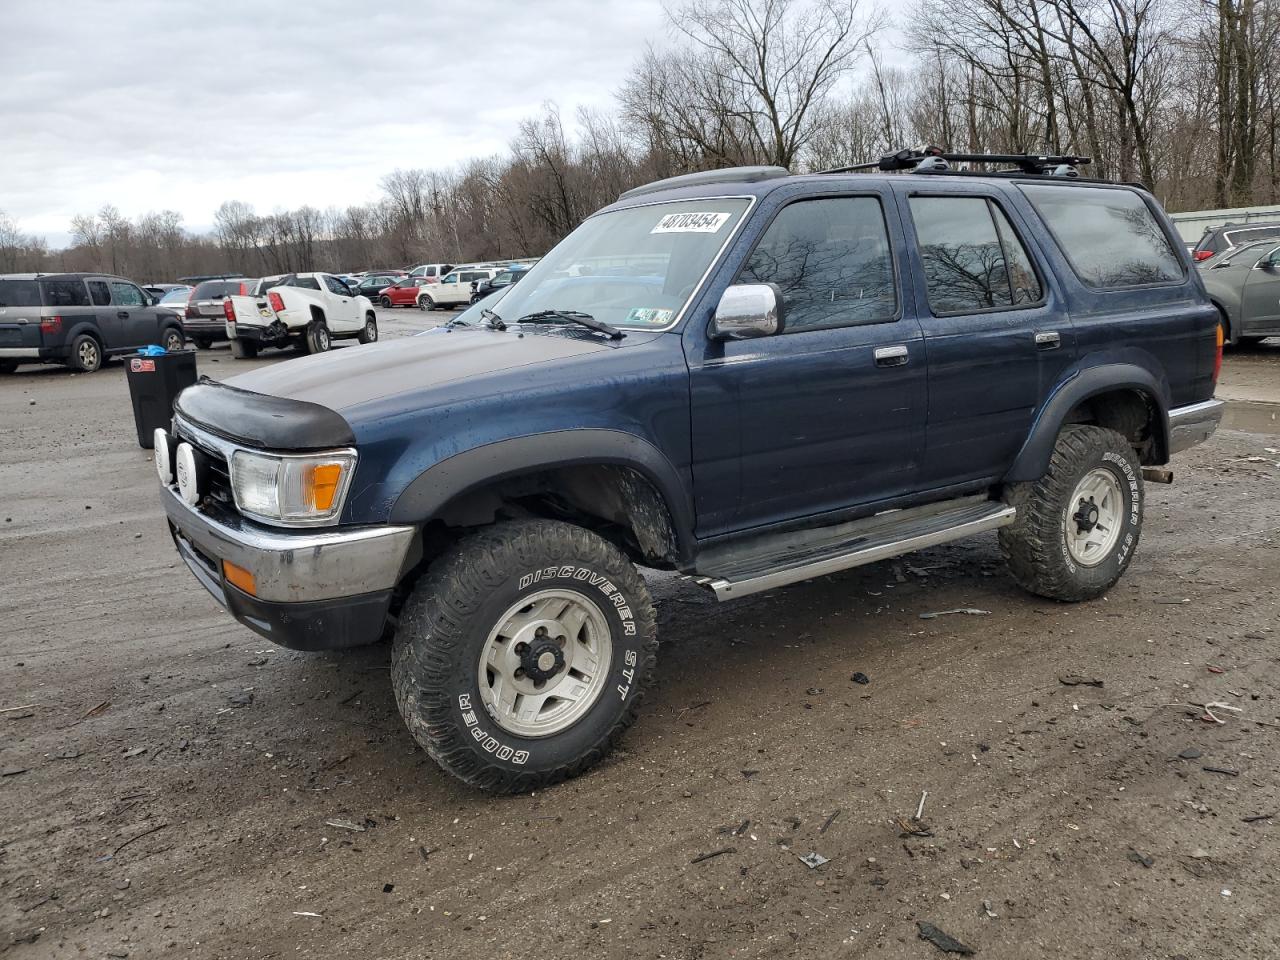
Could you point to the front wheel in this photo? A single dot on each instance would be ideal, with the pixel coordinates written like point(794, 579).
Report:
point(426, 303)
point(522, 655)
point(1077, 526)
point(317, 337)
point(369, 332)
point(173, 340)
point(386, 303)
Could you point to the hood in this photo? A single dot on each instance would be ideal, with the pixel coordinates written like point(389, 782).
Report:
point(345, 378)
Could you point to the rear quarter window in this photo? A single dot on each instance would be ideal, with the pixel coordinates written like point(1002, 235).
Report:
point(19, 293)
point(1110, 236)
point(65, 293)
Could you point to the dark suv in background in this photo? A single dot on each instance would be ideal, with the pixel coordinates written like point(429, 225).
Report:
point(205, 321)
point(78, 319)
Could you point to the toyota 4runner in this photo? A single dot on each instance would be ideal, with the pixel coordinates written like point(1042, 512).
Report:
point(746, 376)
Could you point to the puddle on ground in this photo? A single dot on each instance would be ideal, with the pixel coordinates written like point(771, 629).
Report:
point(1252, 417)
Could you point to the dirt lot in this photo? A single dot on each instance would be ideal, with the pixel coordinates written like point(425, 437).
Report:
point(145, 814)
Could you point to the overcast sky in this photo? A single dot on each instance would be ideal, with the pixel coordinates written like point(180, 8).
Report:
point(155, 104)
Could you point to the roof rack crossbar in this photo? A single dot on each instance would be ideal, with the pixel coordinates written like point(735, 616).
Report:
point(910, 159)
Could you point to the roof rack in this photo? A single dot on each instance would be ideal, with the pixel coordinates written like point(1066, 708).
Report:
point(726, 175)
point(935, 160)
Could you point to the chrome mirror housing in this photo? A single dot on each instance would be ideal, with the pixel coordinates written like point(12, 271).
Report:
point(747, 311)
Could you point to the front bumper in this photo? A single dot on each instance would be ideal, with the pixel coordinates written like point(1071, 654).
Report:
point(313, 590)
point(1194, 423)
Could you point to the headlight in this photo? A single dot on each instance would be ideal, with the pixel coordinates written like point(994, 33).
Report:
point(291, 489)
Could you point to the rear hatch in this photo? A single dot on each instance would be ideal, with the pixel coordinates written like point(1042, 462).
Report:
point(19, 313)
point(206, 298)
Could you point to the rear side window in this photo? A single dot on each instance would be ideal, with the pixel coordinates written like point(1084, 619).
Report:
point(831, 259)
point(306, 283)
point(127, 295)
point(19, 293)
point(973, 260)
point(65, 293)
point(100, 293)
point(1110, 236)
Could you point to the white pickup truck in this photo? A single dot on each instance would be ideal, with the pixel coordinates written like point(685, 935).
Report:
point(311, 309)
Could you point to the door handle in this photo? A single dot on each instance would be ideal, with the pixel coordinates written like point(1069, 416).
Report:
point(895, 356)
point(122, 314)
point(1048, 340)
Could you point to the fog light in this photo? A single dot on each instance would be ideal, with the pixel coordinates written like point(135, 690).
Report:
point(239, 578)
point(164, 455)
point(185, 468)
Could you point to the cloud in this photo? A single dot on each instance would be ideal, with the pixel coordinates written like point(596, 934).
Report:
point(180, 105)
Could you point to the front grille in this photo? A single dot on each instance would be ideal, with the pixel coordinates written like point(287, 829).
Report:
point(219, 479)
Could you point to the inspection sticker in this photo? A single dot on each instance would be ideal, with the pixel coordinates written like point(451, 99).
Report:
point(705, 222)
point(649, 316)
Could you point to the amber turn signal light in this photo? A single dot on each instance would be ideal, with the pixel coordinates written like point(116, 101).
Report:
point(240, 578)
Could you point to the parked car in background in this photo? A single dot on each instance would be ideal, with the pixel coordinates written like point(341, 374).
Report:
point(204, 320)
point(78, 319)
point(1220, 239)
point(431, 272)
point(402, 293)
point(454, 288)
point(175, 301)
point(1244, 284)
point(482, 288)
point(307, 309)
point(373, 286)
point(158, 290)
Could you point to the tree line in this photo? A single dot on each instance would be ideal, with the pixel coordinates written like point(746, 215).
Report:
point(1177, 94)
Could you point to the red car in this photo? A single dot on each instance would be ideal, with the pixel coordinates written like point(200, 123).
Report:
point(402, 293)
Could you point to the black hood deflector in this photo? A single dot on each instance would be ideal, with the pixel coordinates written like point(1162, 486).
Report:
point(260, 420)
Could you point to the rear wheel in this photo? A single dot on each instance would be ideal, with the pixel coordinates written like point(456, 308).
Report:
point(86, 354)
point(174, 340)
point(243, 349)
point(369, 332)
point(1078, 525)
point(317, 337)
point(521, 656)
point(203, 343)
point(8, 366)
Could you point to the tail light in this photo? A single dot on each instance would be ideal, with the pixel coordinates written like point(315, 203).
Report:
point(244, 290)
point(276, 301)
point(229, 310)
point(51, 325)
point(186, 311)
point(1202, 255)
point(1217, 358)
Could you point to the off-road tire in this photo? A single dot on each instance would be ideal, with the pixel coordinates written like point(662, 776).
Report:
point(369, 332)
point(317, 338)
point(173, 340)
point(85, 355)
point(243, 349)
point(1035, 544)
point(444, 629)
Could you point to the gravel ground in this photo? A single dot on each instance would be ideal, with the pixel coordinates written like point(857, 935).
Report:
point(169, 778)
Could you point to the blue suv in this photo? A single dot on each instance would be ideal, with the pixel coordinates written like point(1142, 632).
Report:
point(746, 376)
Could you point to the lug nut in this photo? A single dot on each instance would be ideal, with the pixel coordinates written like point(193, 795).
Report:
point(561, 641)
point(519, 674)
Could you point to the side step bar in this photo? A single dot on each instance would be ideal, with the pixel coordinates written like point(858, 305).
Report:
point(878, 538)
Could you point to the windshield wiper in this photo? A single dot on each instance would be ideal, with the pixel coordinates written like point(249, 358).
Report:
point(492, 321)
point(574, 316)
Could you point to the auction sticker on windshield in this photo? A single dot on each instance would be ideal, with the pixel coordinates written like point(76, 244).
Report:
point(649, 317)
point(695, 222)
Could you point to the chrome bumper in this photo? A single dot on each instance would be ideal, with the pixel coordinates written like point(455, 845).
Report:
point(288, 567)
point(1193, 424)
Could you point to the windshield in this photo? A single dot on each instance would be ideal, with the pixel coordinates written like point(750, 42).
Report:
point(629, 268)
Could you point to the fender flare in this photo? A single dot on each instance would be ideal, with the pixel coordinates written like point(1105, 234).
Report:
point(1033, 459)
point(472, 469)
point(90, 327)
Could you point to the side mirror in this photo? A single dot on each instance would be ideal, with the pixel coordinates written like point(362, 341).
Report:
point(747, 311)
point(152, 301)
point(1271, 261)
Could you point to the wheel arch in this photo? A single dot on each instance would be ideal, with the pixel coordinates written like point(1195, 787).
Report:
point(611, 476)
point(1121, 396)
